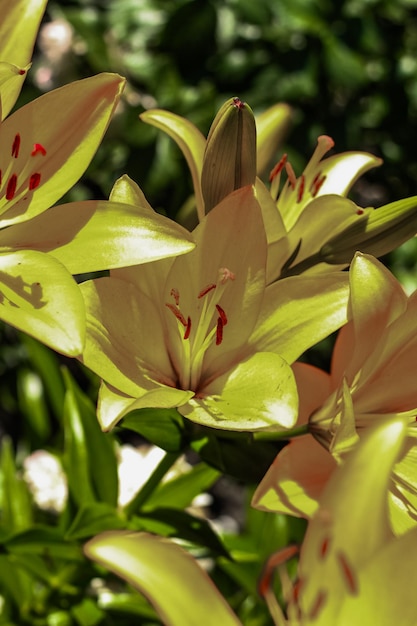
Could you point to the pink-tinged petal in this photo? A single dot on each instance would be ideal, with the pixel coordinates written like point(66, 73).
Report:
point(337, 545)
point(230, 250)
point(120, 345)
point(376, 300)
point(300, 311)
point(19, 24)
point(48, 144)
point(258, 393)
point(96, 235)
point(295, 481)
point(40, 297)
point(180, 591)
point(189, 139)
point(314, 386)
point(114, 405)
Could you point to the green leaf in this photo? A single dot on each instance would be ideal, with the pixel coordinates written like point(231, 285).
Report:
point(15, 498)
point(162, 427)
point(91, 454)
point(168, 522)
point(182, 594)
point(180, 491)
point(87, 613)
point(92, 519)
point(45, 541)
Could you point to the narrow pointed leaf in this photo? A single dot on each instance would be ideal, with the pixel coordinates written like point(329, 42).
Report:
point(182, 594)
point(272, 125)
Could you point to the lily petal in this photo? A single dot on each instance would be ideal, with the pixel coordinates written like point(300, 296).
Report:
point(19, 26)
point(189, 139)
point(48, 144)
point(51, 310)
point(272, 126)
point(296, 479)
point(258, 393)
point(182, 594)
point(300, 311)
point(96, 235)
point(113, 406)
point(119, 346)
point(336, 547)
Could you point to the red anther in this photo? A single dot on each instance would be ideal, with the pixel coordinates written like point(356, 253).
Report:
point(22, 72)
point(16, 146)
point(348, 574)
point(222, 314)
point(219, 331)
point(301, 188)
point(176, 295)
point(206, 290)
point(316, 184)
point(292, 179)
point(278, 167)
point(11, 187)
point(318, 604)
point(177, 314)
point(34, 181)
point(324, 548)
point(237, 102)
point(38, 149)
point(187, 328)
point(360, 212)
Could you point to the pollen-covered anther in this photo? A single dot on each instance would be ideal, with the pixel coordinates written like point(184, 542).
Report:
point(301, 186)
point(316, 184)
point(187, 328)
point(219, 331)
point(176, 295)
point(34, 181)
point(278, 168)
point(225, 274)
point(206, 290)
point(292, 179)
point(177, 314)
point(38, 149)
point(16, 146)
point(222, 314)
point(11, 187)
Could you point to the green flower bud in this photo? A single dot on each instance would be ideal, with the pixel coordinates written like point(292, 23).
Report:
point(230, 156)
point(377, 232)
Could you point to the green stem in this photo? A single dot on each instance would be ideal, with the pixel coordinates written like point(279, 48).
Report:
point(152, 483)
point(285, 434)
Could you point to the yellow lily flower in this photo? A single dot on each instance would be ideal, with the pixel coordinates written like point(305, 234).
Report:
point(372, 380)
point(201, 332)
point(310, 222)
point(46, 147)
point(347, 576)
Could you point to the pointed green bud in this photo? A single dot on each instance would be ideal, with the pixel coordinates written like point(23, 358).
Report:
point(377, 232)
point(230, 156)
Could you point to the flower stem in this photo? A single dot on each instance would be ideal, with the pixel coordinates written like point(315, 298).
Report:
point(152, 483)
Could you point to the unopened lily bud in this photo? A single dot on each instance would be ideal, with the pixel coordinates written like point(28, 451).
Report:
point(230, 156)
point(377, 232)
